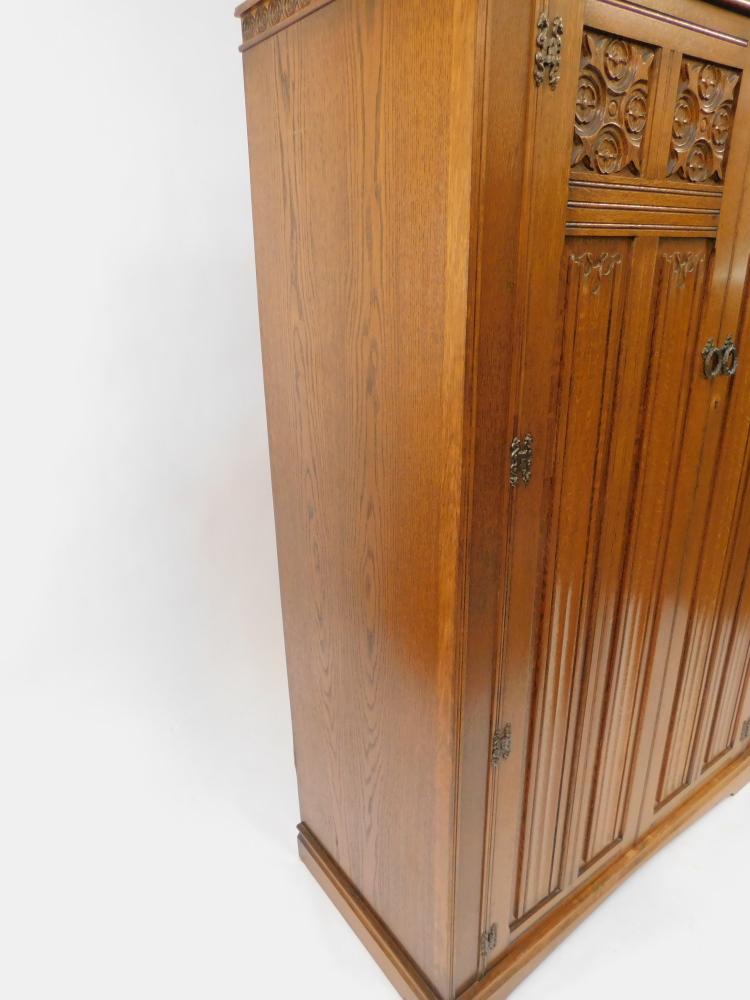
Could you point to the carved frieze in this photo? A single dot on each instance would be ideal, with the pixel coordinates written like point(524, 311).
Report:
point(267, 15)
point(703, 119)
point(612, 105)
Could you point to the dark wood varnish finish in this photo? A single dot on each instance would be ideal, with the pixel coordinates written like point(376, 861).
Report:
point(510, 683)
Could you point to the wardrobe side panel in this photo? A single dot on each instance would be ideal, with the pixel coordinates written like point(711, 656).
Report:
point(360, 149)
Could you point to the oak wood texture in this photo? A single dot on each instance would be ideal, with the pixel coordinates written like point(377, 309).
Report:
point(673, 13)
point(361, 222)
point(603, 542)
point(453, 253)
point(262, 19)
point(384, 948)
point(534, 947)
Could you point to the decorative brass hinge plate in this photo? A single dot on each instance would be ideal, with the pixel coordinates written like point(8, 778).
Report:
point(520, 460)
point(502, 740)
point(745, 730)
point(549, 51)
point(489, 940)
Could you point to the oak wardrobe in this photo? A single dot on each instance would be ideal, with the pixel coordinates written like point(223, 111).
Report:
point(502, 258)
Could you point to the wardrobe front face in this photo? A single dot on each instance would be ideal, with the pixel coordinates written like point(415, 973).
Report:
point(624, 615)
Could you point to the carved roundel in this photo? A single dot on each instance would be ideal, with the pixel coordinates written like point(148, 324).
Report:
point(699, 161)
point(617, 60)
point(590, 101)
point(610, 151)
point(721, 125)
point(703, 119)
point(636, 111)
point(586, 102)
point(612, 104)
point(710, 90)
point(685, 125)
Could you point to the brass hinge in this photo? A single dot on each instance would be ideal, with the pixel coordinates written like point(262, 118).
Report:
point(489, 940)
point(745, 729)
point(520, 460)
point(501, 743)
point(549, 50)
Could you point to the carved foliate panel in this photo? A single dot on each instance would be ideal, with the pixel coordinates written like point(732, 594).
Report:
point(612, 105)
point(703, 120)
point(268, 14)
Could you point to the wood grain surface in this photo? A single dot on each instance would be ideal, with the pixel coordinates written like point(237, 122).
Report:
point(534, 947)
point(361, 223)
point(506, 691)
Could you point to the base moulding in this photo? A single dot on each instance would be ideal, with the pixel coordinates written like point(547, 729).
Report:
point(533, 946)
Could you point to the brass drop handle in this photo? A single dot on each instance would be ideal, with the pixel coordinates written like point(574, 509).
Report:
point(720, 360)
point(729, 357)
point(711, 359)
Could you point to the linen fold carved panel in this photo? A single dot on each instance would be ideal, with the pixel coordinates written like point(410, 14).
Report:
point(703, 119)
point(612, 105)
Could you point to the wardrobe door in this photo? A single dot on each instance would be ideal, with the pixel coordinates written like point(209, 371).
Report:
point(622, 622)
point(701, 644)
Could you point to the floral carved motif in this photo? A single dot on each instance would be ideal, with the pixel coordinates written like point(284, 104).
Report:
point(684, 264)
point(596, 269)
point(268, 14)
point(703, 119)
point(612, 105)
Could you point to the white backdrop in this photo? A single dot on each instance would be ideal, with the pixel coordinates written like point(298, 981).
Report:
point(147, 795)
